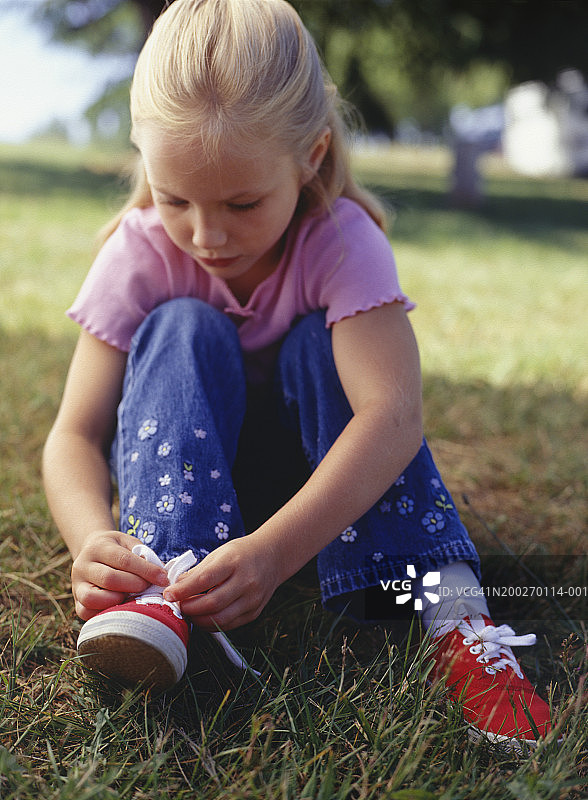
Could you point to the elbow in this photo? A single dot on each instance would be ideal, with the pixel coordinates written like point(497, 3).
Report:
point(414, 435)
point(47, 457)
point(416, 439)
point(409, 427)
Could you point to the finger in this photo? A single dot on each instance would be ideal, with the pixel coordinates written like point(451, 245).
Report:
point(200, 580)
point(213, 602)
point(122, 559)
point(114, 580)
point(91, 600)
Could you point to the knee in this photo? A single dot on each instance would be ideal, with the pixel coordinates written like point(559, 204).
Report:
point(187, 320)
point(309, 334)
point(190, 313)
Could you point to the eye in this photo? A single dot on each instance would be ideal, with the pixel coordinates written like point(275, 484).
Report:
point(245, 206)
point(169, 200)
point(176, 203)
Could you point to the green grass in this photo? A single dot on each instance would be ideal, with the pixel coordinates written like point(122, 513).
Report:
point(343, 712)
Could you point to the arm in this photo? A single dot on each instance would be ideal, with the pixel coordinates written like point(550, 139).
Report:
point(77, 481)
point(377, 362)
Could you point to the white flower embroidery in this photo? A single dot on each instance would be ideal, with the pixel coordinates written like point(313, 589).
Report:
point(134, 456)
point(226, 508)
point(377, 556)
point(185, 498)
point(222, 530)
point(132, 500)
point(147, 429)
point(166, 504)
point(215, 474)
point(349, 534)
point(199, 433)
point(165, 480)
point(164, 449)
point(146, 532)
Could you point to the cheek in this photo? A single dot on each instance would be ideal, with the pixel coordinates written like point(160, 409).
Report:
point(176, 228)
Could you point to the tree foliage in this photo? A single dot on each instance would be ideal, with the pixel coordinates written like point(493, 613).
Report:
point(390, 57)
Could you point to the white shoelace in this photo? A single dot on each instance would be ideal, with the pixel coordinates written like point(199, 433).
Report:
point(153, 595)
point(492, 645)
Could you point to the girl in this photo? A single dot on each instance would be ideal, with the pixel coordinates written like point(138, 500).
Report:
point(248, 268)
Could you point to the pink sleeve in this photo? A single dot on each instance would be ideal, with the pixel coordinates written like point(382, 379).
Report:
point(129, 277)
point(350, 265)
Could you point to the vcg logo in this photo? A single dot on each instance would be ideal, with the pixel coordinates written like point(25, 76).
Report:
point(405, 586)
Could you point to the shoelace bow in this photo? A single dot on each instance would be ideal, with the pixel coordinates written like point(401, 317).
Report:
point(492, 645)
point(154, 595)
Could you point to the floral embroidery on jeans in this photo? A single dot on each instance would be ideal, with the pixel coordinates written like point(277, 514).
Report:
point(133, 523)
point(215, 474)
point(147, 429)
point(377, 557)
point(222, 530)
point(134, 456)
point(166, 504)
point(164, 449)
point(226, 508)
point(164, 480)
point(185, 498)
point(405, 505)
point(188, 471)
point(349, 534)
point(132, 501)
point(433, 521)
point(443, 503)
point(146, 532)
point(199, 433)
point(385, 507)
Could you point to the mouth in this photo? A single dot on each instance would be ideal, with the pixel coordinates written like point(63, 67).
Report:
point(217, 263)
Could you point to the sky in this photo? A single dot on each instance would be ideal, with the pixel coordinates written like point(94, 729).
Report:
point(41, 81)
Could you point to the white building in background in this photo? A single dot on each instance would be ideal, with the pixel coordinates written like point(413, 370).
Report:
point(546, 130)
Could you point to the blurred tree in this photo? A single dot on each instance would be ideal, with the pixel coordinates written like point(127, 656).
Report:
point(388, 56)
point(100, 26)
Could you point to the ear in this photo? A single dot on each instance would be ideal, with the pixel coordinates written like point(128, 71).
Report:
point(316, 156)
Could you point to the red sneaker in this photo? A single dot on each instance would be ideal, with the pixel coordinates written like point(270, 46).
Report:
point(144, 640)
point(482, 673)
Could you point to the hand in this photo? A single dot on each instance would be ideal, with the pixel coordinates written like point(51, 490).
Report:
point(105, 572)
point(229, 587)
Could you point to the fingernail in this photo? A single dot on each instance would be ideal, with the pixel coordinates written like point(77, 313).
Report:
point(163, 579)
point(169, 595)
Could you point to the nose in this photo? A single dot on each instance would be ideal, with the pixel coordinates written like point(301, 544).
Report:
point(208, 232)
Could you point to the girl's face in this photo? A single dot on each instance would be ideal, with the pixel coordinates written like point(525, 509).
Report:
point(231, 214)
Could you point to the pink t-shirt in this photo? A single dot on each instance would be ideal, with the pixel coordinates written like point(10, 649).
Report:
point(340, 262)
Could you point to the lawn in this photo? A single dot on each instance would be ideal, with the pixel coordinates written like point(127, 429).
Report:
point(342, 711)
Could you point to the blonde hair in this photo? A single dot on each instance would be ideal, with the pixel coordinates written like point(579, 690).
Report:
point(242, 71)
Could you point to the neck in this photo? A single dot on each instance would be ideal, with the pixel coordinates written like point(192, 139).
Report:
point(244, 286)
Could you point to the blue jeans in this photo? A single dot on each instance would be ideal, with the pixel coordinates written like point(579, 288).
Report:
point(187, 415)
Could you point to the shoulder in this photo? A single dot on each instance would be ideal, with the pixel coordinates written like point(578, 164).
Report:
point(347, 264)
point(136, 269)
point(344, 216)
point(343, 234)
point(141, 225)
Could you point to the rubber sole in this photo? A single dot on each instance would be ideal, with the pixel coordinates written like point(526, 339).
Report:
point(134, 649)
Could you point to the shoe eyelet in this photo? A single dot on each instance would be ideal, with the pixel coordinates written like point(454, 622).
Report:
point(490, 671)
point(475, 650)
